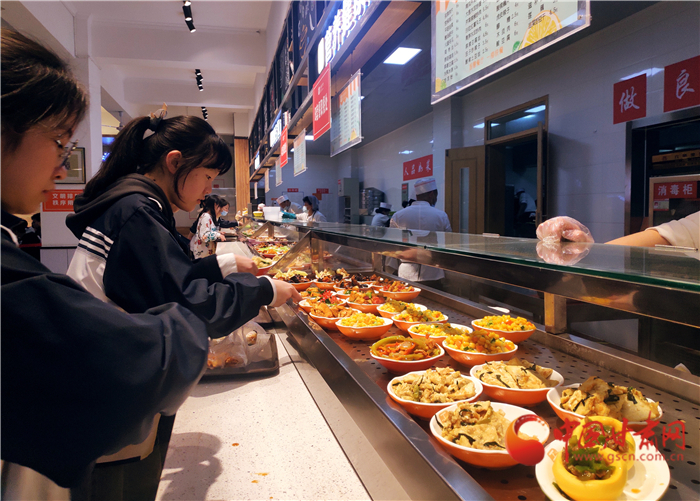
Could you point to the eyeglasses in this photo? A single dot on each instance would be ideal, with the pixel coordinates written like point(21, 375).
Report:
point(67, 150)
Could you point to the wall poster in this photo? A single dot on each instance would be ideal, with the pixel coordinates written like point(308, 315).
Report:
point(472, 40)
point(300, 153)
point(346, 116)
point(278, 173)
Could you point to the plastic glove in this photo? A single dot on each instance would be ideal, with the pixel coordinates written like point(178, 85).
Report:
point(289, 215)
point(563, 253)
point(563, 228)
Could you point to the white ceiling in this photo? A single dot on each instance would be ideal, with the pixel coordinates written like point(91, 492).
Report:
point(146, 54)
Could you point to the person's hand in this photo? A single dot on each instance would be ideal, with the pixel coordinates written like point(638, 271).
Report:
point(222, 237)
point(563, 228)
point(246, 265)
point(563, 253)
point(285, 291)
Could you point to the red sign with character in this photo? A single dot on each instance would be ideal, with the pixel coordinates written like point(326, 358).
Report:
point(630, 99)
point(292, 190)
point(420, 167)
point(321, 190)
point(682, 84)
point(322, 103)
point(679, 189)
point(60, 200)
point(284, 155)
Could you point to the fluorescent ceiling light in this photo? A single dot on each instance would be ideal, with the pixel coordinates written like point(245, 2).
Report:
point(402, 55)
point(650, 72)
point(405, 152)
point(361, 98)
point(479, 126)
point(494, 124)
point(292, 150)
point(536, 109)
point(309, 137)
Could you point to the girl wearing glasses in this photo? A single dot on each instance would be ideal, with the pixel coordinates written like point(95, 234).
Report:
point(65, 354)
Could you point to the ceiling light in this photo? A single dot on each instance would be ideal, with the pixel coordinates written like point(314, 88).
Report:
point(197, 71)
point(188, 12)
point(494, 124)
point(361, 98)
point(190, 25)
point(309, 137)
point(479, 126)
point(536, 109)
point(405, 152)
point(402, 55)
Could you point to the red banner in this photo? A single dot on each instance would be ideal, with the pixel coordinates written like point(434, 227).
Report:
point(420, 167)
point(322, 190)
point(60, 200)
point(284, 155)
point(322, 102)
point(682, 84)
point(292, 190)
point(678, 189)
point(630, 99)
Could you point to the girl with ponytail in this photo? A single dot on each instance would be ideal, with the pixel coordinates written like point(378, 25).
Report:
point(130, 254)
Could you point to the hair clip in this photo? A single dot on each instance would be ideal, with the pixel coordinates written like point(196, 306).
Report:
point(156, 117)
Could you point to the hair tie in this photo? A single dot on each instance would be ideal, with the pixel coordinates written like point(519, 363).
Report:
point(156, 117)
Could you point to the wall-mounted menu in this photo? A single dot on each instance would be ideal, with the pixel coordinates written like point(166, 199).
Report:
point(346, 116)
point(474, 39)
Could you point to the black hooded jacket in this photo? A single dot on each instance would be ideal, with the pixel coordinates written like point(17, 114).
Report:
point(80, 378)
point(129, 254)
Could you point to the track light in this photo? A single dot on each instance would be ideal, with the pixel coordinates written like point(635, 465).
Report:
point(188, 12)
point(190, 25)
point(187, 3)
point(199, 78)
point(198, 72)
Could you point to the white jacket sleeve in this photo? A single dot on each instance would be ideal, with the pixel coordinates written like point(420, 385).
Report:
point(683, 232)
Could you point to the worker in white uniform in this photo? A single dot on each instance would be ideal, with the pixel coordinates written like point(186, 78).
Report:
point(289, 206)
point(311, 209)
point(381, 215)
point(421, 215)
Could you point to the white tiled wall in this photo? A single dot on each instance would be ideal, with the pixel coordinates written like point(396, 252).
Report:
point(587, 152)
point(321, 172)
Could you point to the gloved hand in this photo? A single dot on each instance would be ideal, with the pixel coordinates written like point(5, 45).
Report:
point(563, 253)
point(289, 215)
point(563, 228)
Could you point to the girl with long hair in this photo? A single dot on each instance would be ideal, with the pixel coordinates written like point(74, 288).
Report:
point(203, 243)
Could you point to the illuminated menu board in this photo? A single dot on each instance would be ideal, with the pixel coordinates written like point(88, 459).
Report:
point(474, 39)
point(346, 121)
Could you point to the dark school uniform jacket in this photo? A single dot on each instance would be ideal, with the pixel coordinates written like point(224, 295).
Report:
point(80, 378)
point(129, 254)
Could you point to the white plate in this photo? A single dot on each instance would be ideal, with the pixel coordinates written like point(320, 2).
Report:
point(647, 480)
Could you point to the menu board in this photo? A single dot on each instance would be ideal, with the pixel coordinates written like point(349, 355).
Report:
point(346, 116)
point(306, 22)
point(472, 40)
point(300, 153)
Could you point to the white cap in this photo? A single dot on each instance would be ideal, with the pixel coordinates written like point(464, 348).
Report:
point(260, 206)
point(282, 199)
point(384, 205)
point(425, 185)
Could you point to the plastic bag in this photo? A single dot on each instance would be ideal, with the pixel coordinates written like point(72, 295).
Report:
point(243, 346)
point(563, 228)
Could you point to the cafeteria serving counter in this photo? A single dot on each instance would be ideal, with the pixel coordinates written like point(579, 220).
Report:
point(395, 455)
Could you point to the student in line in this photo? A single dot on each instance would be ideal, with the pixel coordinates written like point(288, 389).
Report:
point(80, 378)
point(203, 242)
point(129, 253)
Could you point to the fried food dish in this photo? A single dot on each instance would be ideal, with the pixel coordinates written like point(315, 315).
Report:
point(411, 314)
point(312, 293)
point(437, 330)
point(397, 286)
point(394, 306)
point(405, 348)
point(516, 373)
point(595, 397)
point(440, 385)
point(505, 323)
point(221, 360)
point(329, 310)
point(293, 276)
point(262, 262)
point(476, 425)
point(330, 276)
point(480, 342)
point(358, 319)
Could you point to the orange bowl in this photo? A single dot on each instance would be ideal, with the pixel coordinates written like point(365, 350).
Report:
point(517, 396)
point(270, 255)
point(404, 366)
point(470, 358)
point(424, 410)
point(515, 336)
point(493, 460)
point(437, 339)
point(554, 399)
point(263, 271)
point(328, 323)
point(401, 296)
point(326, 285)
point(302, 286)
point(386, 314)
point(404, 326)
point(304, 305)
point(372, 333)
point(365, 308)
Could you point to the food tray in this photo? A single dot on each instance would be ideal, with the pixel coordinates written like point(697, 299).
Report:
point(519, 483)
point(269, 365)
